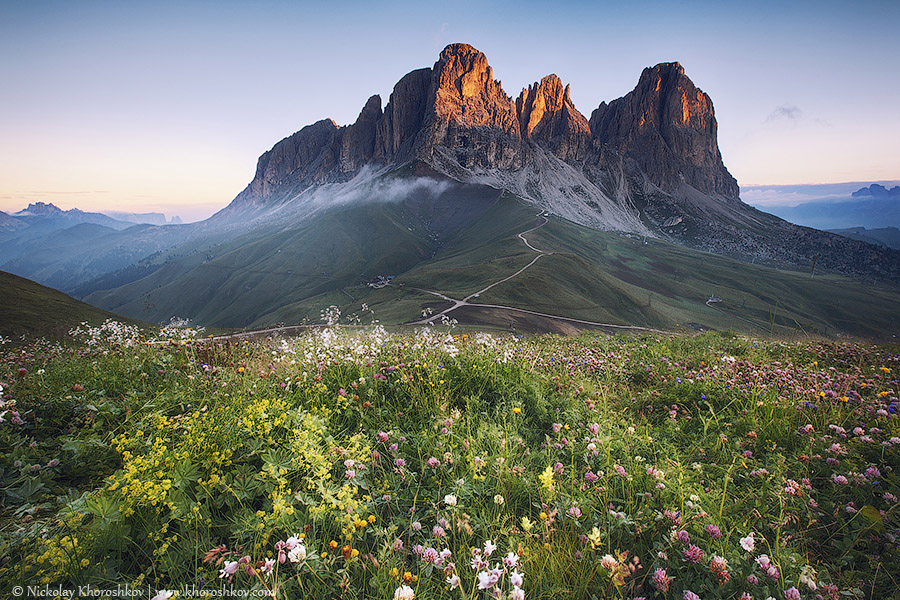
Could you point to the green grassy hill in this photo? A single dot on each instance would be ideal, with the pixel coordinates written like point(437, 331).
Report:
point(32, 309)
point(463, 239)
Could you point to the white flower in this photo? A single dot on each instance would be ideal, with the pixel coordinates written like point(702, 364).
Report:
point(487, 580)
point(230, 568)
point(516, 578)
point(404, 592)
point(163, 595)
point(450, 500)
point(297, 553)
point(268, 567)
point(511, 560)
point(499, 500)
point(489, 547)
point(609, 562)
point(453, 581)
point(748, 543)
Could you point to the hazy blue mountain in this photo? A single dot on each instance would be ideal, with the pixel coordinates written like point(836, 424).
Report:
point(830, 206)
point(152, 218)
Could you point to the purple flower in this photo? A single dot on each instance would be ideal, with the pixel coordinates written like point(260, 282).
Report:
point(693, 554)
point(430, 555)
point(434, 463)
point(660, 581)
point(400, 463)
point(713, 531)
point(590, 477)
point(689, 595)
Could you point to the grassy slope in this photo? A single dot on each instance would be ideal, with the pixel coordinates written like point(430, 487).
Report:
point(466, 240)
point(614, 278)
point(256, 278)
point(30, 308)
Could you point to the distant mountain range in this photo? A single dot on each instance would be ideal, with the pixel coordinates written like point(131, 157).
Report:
point(830, 206)
point(452, 187)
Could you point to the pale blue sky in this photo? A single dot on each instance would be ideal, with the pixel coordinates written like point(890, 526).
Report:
point(166, 106)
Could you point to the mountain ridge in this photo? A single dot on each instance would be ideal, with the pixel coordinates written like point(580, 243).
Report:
point(646, 163)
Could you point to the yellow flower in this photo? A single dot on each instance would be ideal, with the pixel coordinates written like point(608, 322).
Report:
point(595, 537)
point(546, 479)
point(517, 410)
point(527, 524)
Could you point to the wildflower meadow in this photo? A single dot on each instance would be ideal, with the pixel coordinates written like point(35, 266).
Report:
point(354, 462)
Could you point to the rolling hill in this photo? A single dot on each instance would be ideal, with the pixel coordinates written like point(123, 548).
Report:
point(31, 309)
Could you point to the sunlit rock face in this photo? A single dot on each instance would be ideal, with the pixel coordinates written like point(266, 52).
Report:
point(548, 118)
point(470, 113)
point(667, 126)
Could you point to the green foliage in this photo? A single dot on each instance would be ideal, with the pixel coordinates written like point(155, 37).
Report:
point(608, 467)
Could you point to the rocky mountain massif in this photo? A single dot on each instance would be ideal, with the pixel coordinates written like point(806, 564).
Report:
point(514, 213)
point(646, 163)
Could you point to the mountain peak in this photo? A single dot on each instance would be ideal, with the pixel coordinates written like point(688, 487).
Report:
point(40, 208)
point(470, 111)
point(668, 127)
point(548, 117)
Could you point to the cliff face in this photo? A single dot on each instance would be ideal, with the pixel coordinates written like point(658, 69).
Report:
point(469, 113)
point(548, 118)
point(647, 163)
point(668, 128)
point(457, 110)
point(402, 120)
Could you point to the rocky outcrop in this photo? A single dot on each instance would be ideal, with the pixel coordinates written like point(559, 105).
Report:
point(548, 118)
point(302, 159)
point(878, 191)
point(397, 130)
point(458, 115)
point(470, 113)
point(646, 163)
point(667, 127)
point(358, 141)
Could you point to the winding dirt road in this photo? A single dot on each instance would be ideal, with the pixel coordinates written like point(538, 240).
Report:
point(541, 253)
point(460, 303)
